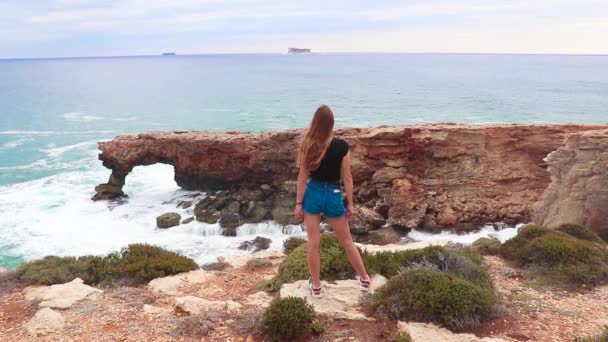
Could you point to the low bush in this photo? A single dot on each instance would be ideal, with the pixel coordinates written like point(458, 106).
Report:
point(581, 233)
point(559, 256)
point(216, 266)
point(425, 294)
point(601, 337)
point(257, 263)
point(402, 336)
point(287, 319)
point(334, 264)
point(52, 270)
point(292, 243)
point(137, 263)
point(318, 328)
point(487, 246)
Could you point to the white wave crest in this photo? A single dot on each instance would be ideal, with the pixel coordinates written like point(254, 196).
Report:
point(80, 117)
point(58, 151)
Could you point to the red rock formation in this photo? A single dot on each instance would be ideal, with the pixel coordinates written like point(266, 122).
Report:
point(578, 192)
point(459, 175)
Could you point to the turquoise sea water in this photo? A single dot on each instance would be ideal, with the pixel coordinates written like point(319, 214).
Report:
point(52, 113)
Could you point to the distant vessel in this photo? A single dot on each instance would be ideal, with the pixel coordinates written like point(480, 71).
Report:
point(298, 50)
point(168, 53)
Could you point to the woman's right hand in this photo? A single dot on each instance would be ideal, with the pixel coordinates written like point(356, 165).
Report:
point(298, 212)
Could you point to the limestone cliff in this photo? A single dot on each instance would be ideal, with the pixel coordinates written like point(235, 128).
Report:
point(433, 176)
point(578, 192)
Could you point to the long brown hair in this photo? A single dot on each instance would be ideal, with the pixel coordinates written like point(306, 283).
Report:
point(317, 139)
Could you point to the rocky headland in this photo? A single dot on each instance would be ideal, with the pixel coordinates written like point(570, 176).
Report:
point(434, 177)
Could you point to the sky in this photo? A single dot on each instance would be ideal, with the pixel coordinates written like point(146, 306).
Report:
point(62, 28)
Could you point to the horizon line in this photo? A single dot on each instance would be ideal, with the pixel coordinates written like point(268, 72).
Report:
point(312, 53)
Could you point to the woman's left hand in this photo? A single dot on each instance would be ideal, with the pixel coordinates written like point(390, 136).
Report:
point(350, 211)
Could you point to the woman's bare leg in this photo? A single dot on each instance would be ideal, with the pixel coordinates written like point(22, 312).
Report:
point(342, 230)
point(313, 230)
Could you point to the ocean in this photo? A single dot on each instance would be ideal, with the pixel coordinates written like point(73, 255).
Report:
point(54, 111)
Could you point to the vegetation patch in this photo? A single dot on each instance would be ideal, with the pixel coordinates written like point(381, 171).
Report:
point(430, 295)
point(581, 233)
point(287, 319)
point(216, 266)
point(334, 264)
point(570, 255)
point(402, 336)
point(487, 246)
point(257, 264)
point(434, 284)
point(137, 263)
point(292, 243)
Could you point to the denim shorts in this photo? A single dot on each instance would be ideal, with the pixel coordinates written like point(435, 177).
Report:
point(323, 198)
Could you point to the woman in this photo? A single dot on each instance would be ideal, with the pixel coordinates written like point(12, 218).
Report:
point(323, 160)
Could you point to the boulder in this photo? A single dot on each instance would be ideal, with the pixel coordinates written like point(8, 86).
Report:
point(210, 216)
point(61, 296)
point(255, 245)
point(340, 300)
point(383, 236)
point(365, 220)
point(188, 220)
point(259, 299)
point(45, 321)
point(423, 332)
point(184, 204)
point(282, 210)
point(256, 212)
point(195, 305)
point(168, 220)
point(229, 216)
point(407, 204)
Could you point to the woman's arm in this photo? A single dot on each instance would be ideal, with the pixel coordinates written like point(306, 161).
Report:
point(301, 186)
point(347, 178)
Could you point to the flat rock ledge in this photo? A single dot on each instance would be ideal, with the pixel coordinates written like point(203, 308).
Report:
point(45, 321)
point(195, 305)
point(176, 284)
point(425, 332)
point(61, 296)
point(340, 298)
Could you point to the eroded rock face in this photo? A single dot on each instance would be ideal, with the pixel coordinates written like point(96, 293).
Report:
point(459, 176)
point(578, 192)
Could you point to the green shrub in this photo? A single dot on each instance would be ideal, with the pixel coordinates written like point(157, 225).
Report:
point(431, 295)
point(52, 270)
point(402, 336)
point(388, 264)
point(143, 262)
point(558, 256)
point(292, 243)
point(287, 319)
point(515, 248)
point(581, 233)
point(137, 263)
point(487, 246)
point(602, 337)
point(318, 328)
point(334, 264)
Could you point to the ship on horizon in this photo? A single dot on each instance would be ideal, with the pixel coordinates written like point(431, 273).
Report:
point(169, 53)
point(298, 50)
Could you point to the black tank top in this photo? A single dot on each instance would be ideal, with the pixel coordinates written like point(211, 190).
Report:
point(329, 169)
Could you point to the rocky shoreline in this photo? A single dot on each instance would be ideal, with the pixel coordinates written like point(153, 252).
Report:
point(432, 177)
